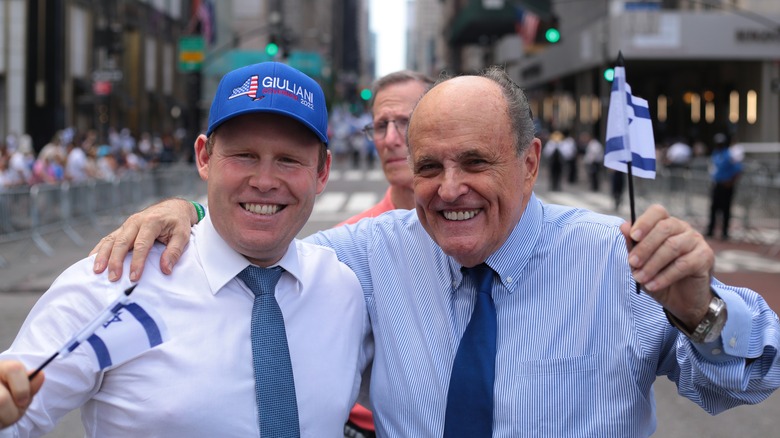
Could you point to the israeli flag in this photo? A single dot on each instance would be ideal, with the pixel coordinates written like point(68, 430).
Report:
point(122, 331)
point(629, 131)
point(131, 331)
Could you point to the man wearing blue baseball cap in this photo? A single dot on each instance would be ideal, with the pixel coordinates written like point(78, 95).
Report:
point(264, 333)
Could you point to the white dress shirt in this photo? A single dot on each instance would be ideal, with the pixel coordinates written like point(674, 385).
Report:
point(200, 382)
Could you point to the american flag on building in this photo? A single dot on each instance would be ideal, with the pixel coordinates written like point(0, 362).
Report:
point(526, 25)
point(249, 88)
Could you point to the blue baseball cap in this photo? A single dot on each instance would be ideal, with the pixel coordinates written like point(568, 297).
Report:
point(270, 87)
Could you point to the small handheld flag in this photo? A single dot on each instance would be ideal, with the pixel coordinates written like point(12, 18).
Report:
point(630, 146)
point(113, 337)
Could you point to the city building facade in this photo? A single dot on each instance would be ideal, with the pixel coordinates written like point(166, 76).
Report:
point(91, 64)
point(704, 66)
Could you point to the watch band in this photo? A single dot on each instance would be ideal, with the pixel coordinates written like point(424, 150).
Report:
point(711, 325)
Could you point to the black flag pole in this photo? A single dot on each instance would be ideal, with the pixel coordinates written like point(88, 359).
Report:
point(621, 63)
point(629, 165)
point(87, 331)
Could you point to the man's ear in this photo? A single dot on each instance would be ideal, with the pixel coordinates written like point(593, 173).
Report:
point(324, 174)
point(202, 157)
point(532, 160)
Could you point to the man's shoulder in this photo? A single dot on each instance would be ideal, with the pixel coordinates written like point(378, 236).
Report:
point(321, 262)
point(562, 215)
point(310, 249)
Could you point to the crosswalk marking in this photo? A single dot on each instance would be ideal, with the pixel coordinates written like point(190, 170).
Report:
point(356, 175)
point(375, 175)
point(329, 202)
point(360, 201)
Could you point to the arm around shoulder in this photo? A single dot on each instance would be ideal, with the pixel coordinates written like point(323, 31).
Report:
point(168, 221)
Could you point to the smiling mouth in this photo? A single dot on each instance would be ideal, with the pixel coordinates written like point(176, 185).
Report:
point(460, 215)
point(262, 209)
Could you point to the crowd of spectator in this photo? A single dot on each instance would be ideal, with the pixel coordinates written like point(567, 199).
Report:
point(79, 156)
point(347, 140)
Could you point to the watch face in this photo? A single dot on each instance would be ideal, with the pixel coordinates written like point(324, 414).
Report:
point(718, 322)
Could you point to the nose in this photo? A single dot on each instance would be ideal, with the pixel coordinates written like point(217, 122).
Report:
point(394, 136)
point(452, 185)
point(263, 177)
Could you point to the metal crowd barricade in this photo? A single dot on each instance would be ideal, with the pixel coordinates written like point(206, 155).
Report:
point(32, 212)
point(686, 193)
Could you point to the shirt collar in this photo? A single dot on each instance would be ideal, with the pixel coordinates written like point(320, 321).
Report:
point(221, 263)
point(512, 257)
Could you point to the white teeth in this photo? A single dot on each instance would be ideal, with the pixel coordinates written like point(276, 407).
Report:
point(460, 215)
point(265, 209)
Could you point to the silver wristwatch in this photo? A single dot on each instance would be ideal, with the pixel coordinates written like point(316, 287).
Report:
point(711, 325)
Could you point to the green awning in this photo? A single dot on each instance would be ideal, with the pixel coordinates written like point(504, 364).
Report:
point(475, 22)
point(542, 8)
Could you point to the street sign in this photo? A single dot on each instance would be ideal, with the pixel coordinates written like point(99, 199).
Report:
point(233, 59)
point(307, 62)
point(192, 52)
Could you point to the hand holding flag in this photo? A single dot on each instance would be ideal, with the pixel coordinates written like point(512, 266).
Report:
point(630, 146)
point(113, 337)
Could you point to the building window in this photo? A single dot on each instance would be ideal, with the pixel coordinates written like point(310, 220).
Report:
point(695, 101)
point(590, 109)
point(662, 108)
point(751, 113)
point(585, 116)
point(734, 106)
point(567, 110)
point(709, 106)
point(548, 109)
point(595, 107)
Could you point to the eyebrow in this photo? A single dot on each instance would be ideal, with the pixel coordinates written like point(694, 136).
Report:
point(465, 155)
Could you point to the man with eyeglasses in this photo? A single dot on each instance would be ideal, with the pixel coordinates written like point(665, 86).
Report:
point(395, 96)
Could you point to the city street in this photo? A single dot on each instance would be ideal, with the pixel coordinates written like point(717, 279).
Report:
point(747, 260)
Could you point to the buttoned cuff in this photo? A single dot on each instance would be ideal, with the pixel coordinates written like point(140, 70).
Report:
point(734, 340)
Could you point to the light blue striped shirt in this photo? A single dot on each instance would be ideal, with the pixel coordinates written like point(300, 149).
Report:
point(578, 349)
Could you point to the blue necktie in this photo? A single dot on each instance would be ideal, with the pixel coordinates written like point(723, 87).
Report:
point(277, 407)
point(470, 396)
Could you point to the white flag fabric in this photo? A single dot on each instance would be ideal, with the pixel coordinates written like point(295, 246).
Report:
point(132, 331)
point(629, 131)
point(122, 331)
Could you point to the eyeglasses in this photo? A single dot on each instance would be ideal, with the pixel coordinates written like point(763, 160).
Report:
point(379, 130)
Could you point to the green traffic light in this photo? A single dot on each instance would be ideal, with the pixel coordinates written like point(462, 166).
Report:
point(272, 49)
point(609, 74)
point(552, 35)
point(365, 94)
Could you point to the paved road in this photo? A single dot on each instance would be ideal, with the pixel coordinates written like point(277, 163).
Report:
point(744, 261)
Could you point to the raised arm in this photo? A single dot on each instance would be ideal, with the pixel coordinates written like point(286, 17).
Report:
point(16, 391)
point(168, 221)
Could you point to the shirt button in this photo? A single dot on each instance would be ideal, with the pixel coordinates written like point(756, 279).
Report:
point(454, 283)
point(716, 351)
point(733, 342)
point(509, 279)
